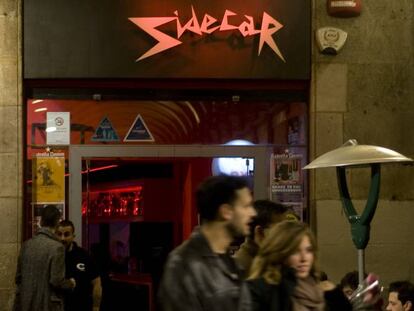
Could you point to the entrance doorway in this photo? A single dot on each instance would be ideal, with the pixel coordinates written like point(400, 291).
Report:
point(78, 154)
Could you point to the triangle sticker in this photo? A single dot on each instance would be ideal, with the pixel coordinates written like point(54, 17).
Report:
point(105, 131)
point(139, 131)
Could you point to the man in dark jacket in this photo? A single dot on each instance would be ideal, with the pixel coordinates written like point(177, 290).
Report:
point(40, 275)
point(200, 275)
point(87, 294)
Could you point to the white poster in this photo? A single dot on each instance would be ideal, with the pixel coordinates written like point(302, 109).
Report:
point(58, 128)
point(287, 181)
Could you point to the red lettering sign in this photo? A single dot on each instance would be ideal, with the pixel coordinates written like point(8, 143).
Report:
point(208, 25)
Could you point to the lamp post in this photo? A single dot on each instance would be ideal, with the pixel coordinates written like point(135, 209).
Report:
point(353, 155)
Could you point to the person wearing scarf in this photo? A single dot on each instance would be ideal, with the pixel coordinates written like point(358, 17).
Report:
point(284, 274)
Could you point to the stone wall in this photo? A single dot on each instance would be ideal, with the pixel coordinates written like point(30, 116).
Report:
point(10, 146)
point(366, 92)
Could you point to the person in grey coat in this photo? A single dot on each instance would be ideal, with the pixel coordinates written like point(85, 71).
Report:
point(40, 275)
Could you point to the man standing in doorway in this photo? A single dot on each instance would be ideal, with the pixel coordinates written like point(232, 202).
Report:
point(87, 294)
point(200, 275)
point(40, 275)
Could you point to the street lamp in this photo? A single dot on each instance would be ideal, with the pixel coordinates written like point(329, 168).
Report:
point(353, 155)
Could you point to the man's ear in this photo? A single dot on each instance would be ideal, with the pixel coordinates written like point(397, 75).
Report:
point(408, 306)
point(225, 212)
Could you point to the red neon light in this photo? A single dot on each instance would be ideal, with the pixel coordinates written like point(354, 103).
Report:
point(246, 28)
point(121, 189)
point(97, 169)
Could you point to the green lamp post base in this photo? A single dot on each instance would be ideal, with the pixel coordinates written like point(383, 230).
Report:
point(360, 224)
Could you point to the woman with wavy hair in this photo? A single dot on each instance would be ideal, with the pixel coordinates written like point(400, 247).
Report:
point(284, 275)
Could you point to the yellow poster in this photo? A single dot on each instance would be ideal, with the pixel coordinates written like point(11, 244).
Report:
point(48, 178)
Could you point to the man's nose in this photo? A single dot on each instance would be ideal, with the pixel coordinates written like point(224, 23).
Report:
point(253, 211)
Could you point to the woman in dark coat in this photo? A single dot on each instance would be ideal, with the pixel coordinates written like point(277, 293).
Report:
point(284, 275)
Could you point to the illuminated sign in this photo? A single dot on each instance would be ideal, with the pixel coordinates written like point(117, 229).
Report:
point(208, 25)
point(197, 39)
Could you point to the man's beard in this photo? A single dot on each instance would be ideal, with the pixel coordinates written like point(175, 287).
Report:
point(234, 231)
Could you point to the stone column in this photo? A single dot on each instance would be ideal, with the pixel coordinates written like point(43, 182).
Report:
point(10, 146)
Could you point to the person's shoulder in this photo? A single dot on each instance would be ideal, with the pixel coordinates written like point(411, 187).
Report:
point(80, 250)
point(336, 300)
point(260, 289)
point(188, 252)
point(47, 241)
point(259, 285)
point(258, 282)
point(80, 253)
point(183, 251)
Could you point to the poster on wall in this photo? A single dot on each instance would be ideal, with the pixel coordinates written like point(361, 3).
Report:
point(139, 131)
point(105, 131)
point(58, 128)
point(287, 181)
point(48, 171)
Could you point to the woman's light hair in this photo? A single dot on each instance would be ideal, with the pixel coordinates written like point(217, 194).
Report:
point(281, 241)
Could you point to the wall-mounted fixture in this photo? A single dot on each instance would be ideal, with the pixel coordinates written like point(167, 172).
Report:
point(330, 40)
point(344, 8)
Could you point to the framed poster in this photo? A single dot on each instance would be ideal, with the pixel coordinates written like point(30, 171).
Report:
point(287, 181)
point(48, 171)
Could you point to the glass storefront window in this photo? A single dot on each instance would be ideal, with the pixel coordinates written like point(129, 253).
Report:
point(279, 125)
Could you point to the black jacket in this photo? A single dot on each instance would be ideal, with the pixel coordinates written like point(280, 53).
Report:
point(269, 297)
point(196, 279)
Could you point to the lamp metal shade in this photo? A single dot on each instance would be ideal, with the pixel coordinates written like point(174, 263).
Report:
point(352, 154)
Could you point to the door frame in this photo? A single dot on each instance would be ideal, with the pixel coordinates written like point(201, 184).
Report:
point(260, 153)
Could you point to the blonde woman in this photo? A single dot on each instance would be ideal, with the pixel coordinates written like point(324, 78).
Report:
point(284, 274)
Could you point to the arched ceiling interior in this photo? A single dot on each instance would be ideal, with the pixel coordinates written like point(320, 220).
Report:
point(170, 122)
